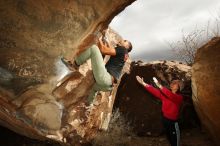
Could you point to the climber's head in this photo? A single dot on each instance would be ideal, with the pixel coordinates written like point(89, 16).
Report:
point(127, 44)
point(176, 86)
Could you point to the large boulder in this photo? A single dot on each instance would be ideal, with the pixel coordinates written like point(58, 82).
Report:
point(206, 85)
point(33, 36)
point(140, 108)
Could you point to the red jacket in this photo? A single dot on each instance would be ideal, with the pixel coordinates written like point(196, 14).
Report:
point(170, 103)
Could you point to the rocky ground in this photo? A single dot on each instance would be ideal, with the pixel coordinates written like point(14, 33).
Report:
point(191, 137)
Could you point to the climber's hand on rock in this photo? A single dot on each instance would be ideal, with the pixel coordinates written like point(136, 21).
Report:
point(100, 39)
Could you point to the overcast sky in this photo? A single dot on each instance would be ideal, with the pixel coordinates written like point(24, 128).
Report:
point(150, 24)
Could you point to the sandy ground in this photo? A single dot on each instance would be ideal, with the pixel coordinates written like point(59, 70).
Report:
point(192, 137)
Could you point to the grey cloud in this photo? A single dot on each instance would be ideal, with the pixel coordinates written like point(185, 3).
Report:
point(159, 54)
point(149, 23)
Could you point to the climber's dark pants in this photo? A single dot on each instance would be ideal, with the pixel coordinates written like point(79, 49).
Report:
point(172, 131)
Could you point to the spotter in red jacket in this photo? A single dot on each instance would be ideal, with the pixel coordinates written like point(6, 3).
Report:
point(171, 102)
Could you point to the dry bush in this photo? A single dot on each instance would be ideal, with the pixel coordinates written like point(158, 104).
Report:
point(118, 132)
point(185, 49)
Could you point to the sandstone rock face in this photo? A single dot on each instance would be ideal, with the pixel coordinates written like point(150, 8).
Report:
point(206, 85)
point(33, 36)
point(140, 108)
